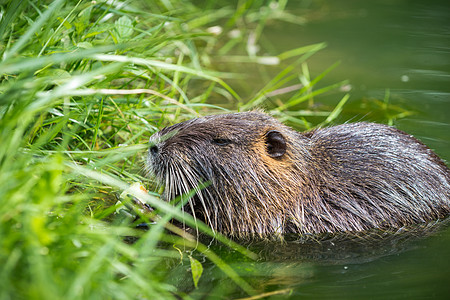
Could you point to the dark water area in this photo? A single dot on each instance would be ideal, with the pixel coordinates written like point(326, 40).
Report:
point(396, 48)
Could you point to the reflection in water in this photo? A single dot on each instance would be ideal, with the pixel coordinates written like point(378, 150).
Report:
point(343, 248)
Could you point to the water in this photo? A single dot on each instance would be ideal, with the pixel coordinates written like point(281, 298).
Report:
point(395, 47)
point(399, 47)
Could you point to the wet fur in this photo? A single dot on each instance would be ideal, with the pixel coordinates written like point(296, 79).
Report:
point(349, 177)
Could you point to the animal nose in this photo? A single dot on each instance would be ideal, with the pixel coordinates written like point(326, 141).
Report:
point(154, 150)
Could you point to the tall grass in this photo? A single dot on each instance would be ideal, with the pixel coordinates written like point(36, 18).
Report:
point(83, 86)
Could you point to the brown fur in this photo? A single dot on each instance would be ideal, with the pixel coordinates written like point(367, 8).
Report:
point(264, 178)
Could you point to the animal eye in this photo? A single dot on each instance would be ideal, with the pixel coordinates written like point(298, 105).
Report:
point(221, 142)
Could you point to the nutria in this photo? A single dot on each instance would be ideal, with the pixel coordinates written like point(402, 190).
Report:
point(261, 177)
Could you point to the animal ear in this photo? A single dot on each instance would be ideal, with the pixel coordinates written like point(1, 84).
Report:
point(275, 143)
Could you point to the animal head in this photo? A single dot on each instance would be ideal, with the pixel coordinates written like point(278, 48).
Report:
point(247, 161)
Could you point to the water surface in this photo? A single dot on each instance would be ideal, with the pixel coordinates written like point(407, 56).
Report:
point(396, 47)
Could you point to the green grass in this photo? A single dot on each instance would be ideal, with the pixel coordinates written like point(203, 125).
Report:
point(83, 86)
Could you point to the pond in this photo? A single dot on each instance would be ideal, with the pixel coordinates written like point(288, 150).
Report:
point(397, 46)
point(398, 49)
